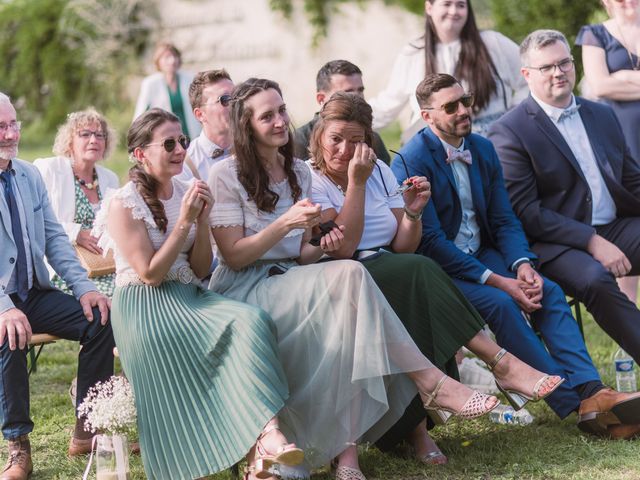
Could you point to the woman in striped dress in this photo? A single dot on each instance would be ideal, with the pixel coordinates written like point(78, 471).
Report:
point(204, 369)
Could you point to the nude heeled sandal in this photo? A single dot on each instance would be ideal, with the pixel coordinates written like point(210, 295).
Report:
point(519, 399)
point(475, 407)
point(287, 454)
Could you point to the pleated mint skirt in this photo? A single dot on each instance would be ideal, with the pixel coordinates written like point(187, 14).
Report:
point(205, 372)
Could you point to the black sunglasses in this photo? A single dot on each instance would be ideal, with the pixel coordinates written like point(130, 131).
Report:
point(169, 144)
point(452, 107)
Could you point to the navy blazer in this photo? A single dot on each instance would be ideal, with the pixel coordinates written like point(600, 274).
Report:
point(499, 227)
point(46, 238)
point(548, 190)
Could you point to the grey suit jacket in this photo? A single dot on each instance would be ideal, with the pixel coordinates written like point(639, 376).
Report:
point(46, 237)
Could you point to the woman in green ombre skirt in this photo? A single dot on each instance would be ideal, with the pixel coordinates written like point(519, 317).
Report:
point(360, 192)
point(205, 370)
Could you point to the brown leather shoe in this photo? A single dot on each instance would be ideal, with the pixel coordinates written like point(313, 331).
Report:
point(623, 432)
point(79, 446)
point(19, 465)
point(608, 407)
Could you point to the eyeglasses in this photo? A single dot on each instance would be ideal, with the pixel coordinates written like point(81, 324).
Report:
point(565, 66)
point(15, 126)
point(400, 189)
point(452, 107)
point(170, 144)
point(86, 134)
point(223, 100)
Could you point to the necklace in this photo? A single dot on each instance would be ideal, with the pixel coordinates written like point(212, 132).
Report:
point(88, 185)
point(338, 186)
point(634, 65)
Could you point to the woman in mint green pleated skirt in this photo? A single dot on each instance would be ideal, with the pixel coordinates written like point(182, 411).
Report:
point(204, 369)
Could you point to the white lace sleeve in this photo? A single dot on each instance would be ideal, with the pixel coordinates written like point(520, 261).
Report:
point(226, 190)
point(130, 199)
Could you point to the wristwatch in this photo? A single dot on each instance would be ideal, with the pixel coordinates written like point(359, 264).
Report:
point(521, 262)
point(414, 217)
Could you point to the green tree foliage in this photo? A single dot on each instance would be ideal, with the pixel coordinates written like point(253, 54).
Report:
point(63, 55)
point(319, 12)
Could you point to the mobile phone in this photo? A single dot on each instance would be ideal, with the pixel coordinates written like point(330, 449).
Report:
point(324, 228)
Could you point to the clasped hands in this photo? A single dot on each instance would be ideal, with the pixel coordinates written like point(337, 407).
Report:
point(525, 289)
point(197, 203)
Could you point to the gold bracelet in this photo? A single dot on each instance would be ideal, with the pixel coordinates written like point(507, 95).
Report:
point(414, 217)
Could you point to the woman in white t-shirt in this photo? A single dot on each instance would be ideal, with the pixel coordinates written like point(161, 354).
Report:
point(379, 219)
point(487, 63)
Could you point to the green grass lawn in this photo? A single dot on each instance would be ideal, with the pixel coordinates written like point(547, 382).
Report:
point(547, 449)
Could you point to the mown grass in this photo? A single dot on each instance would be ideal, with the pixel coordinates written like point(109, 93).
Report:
point(547, 449)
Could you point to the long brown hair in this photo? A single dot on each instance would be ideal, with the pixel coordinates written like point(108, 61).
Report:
point(475, 65)
point(251, 172)
point(140, 134)
point(342, 106)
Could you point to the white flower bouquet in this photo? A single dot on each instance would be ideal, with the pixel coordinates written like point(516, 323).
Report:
point(109, 407)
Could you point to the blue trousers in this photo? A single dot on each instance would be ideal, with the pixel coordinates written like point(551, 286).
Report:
point(565, 353)
point(59, 314)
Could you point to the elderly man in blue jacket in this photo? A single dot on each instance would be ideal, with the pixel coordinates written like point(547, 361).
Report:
point(29, 304)
point(470, 229)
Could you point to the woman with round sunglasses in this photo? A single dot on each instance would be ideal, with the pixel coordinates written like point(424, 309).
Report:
point(486, 62)
point(352, 367)
point(205, 370)
point(383, 229)
point(77, 184)
point(611, 59)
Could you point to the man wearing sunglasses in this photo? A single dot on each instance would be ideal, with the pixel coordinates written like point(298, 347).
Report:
point(575, 187)
point(210, 96)
point(29, 232)
point(470, 229)
point(336, 76)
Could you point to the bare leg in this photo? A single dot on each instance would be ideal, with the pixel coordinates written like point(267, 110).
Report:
point(629, 286)
point(425, 448)
point(510, 371)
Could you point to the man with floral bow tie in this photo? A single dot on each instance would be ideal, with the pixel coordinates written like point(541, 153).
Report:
point(470, 229)
point(575, 187)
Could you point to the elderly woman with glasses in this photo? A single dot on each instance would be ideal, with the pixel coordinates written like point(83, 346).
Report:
point(77, 184)
point(382, 230)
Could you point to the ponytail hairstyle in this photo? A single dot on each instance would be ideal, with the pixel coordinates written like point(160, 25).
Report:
point(474, 66)
point(251, 172)
point(139, 135)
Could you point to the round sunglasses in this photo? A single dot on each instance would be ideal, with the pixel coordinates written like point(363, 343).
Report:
point(169, 144)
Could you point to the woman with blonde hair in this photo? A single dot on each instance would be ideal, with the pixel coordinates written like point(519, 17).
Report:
point(77, 184)
point(168, 88)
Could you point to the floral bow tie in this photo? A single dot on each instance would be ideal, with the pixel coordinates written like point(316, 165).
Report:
point(569, 112)
point(463, 156)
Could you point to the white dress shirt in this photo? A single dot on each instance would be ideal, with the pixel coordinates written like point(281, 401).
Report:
point(572, 130)
point(468, 237)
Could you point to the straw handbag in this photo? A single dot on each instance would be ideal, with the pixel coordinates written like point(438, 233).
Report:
point(96, 265)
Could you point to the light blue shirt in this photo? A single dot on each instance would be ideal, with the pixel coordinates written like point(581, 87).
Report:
point(573, 131)
point(468, 237)
point(11, 286)
point(200, 152)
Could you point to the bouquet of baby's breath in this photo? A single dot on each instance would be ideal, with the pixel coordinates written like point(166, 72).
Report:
point(109, 407)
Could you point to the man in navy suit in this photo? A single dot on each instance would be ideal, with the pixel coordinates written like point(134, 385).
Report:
point(29, 304)
point(574, 186)
point(470, 229)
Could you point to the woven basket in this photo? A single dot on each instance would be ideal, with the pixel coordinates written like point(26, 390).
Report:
point(96, 265)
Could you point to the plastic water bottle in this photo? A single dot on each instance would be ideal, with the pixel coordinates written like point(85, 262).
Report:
point(625, 372)
point(506, 415)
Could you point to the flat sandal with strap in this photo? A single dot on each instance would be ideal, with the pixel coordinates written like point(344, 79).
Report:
point(519, 399)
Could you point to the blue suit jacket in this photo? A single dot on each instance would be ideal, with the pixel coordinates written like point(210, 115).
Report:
point(499, 227)
point(547, 187)
point(46, 237)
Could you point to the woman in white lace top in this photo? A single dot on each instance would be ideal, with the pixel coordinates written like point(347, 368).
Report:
point(352, 367)
point(486, 62)
point(204, 369)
